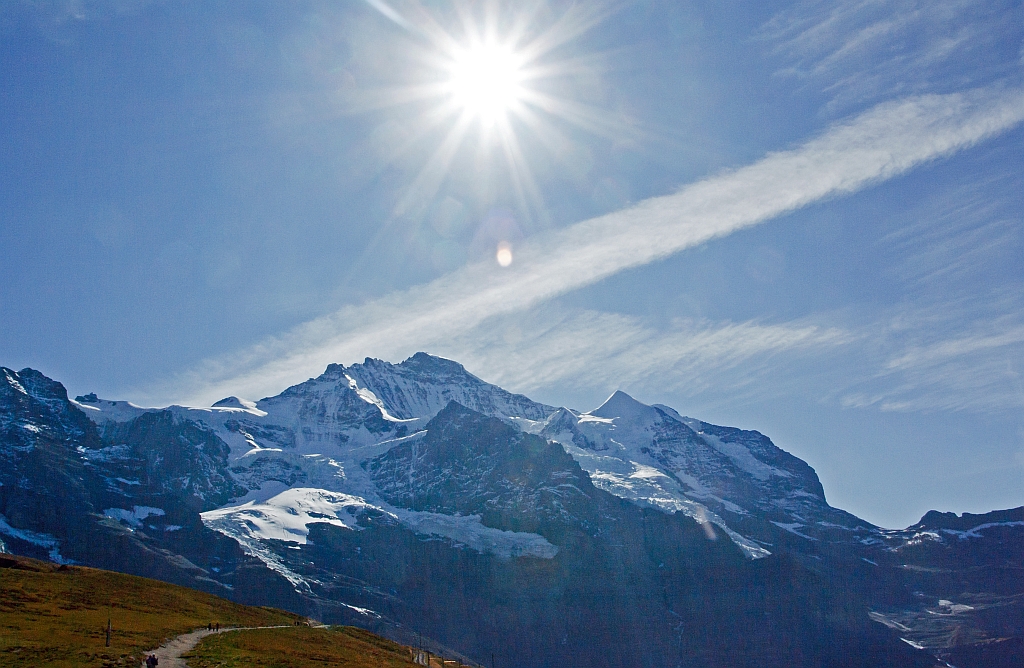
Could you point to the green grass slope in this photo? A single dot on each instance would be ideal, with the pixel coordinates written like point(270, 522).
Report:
point(57, 616)
point(299, 647)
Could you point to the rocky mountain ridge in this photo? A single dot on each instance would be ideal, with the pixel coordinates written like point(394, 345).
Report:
point(284, 500)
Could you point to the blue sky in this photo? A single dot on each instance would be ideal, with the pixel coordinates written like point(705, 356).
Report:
point(803, 218)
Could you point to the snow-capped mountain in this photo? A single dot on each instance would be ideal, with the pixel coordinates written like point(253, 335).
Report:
point(348, 494)
point(319, 434)
point(316, 436)
point(736, 480)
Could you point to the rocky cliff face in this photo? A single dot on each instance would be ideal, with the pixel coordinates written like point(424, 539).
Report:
point(44, 482)
point(472, 464)
point(965, 577)
point(417, 496)
point(127, 499)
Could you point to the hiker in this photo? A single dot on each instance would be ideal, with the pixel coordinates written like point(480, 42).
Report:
point(209, 627)
point(218, 626)
point(152, 661)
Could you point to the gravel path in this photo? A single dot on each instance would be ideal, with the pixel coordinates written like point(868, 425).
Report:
point(170, 652)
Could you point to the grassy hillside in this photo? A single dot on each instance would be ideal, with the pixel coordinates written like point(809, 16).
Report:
point(57, 616)
point(299, 647)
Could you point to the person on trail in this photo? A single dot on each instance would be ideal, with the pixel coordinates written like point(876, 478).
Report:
point(209, 627)
point(218, 626)
point(152, 661)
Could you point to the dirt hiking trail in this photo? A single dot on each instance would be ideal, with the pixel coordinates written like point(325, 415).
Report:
point(170, 652)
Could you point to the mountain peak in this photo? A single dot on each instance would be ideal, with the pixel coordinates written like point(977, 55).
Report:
point(235, 402)
point(621, 405)
point(421, 362)
point(333, 371)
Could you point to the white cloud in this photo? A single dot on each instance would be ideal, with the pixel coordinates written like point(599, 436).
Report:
point(882, 143)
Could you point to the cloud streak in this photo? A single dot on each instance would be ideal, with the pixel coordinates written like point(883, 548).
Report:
point(978, 371)
point(868, 50)
point(551, 347)
point(879, 144)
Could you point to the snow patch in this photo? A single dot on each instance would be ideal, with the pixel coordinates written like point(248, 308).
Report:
point(891, 623)
point(594, 419)
point(43, 540)
point(14, 382)
point(976, 531)
point(470, 531)
point(287, 516)
point(743, 458)
point(954, 608)
point(134, 516)
point(646, 485)
point(101, 410)
point(363, 611)
point(369, 397)
point(921, 536)
point(240, 404)
point(792, 528)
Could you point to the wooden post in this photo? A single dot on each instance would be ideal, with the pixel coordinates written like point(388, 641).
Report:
point(108, 631)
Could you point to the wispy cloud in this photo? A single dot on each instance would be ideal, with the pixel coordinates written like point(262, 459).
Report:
point(865, 50)
point(978, 370)
point(884, 142)
point(917, 360)
point(553, 346)
point(81, 10)
point(968, 232)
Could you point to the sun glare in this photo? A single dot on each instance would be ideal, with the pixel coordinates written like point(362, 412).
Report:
point(497, 73)
point(486, 81)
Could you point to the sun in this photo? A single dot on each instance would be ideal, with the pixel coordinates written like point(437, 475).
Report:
point(486, 81)
point(491, 83)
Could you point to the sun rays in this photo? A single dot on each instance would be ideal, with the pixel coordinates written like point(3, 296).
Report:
point(487, 86)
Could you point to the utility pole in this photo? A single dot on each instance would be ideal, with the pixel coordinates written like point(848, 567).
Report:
point(108, 631)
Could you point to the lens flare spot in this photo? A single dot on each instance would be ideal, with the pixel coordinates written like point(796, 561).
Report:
point(504, 254)
point(702, 518)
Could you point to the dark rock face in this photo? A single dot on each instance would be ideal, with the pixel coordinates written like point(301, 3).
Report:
point(964, 583)
point(58, 475)
point(650, 589)
point(471, 464)
point(167, 459)
point(628, 587)
point(44, 486)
